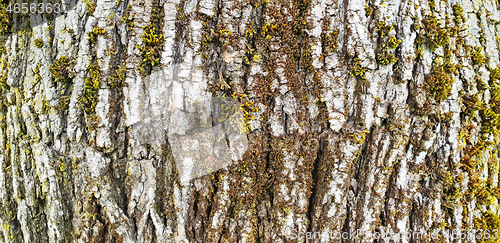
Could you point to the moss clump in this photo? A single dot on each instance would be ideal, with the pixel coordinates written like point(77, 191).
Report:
point(494, 75)
point(118, 78)
point(384, 57)
point(432, 4)
point(383, 29)
point(483, 196)
point(3, 83)
point(91, 7)
point(266, 30)
point(368, 10)
point(435, 36)
point(152, 44)
point(92, 85)
point(440, 38)
point(488, 224)
point(38, 43)
point(357, 69)
point(477, 57)
point(247, 107)
point(5, 19)
point(458, 13)
point(439, 81)
point(127, 19)
point(393, 43)
point(63, 103)
point(472, 104)
point(62, 69)
point(36, 72)
point(490, 117)
point(94, 33)
point(329, 41)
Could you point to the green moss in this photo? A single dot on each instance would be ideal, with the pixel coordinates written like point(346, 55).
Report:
point(439, 82)
point(383, 29)
point(357, 69)
point(458, 13)
point(393, 43)
point(472, 104)
point(63, 103)
point(152, 44)
point(477, 57)
point(5, 19)
point(385, 58)
point(329, 41)
point(481, 85)
point(384, 55)
point(441, 38)
point(488, 224)
point(368, 10)
point(388, 43)
point(490, 123)
point(38, 43)
point(62, 69)
point(432, 3)
point(117, 80)
point(127, 19)
point(36, 72)
point(92, 86)
point(4, 76)
point(490, 116)
point(483, 196)
point(494, 75)
point(94, 33)
point(435, 36)
point(91, 7)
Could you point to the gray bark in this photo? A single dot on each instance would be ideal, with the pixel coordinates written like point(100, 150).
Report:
point(378, 116)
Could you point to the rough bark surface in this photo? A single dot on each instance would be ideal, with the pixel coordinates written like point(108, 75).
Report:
point(382, 116)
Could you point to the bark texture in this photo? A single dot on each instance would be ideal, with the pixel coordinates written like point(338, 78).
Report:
point(372, 115)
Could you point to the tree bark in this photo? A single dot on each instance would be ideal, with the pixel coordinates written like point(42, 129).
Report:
point(372, 117)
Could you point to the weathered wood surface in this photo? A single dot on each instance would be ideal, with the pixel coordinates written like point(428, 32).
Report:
point(370, 115)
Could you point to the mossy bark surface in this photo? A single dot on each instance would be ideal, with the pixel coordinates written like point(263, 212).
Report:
point(379, 116)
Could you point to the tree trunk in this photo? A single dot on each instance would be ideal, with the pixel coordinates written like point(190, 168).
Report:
point(250, 121)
